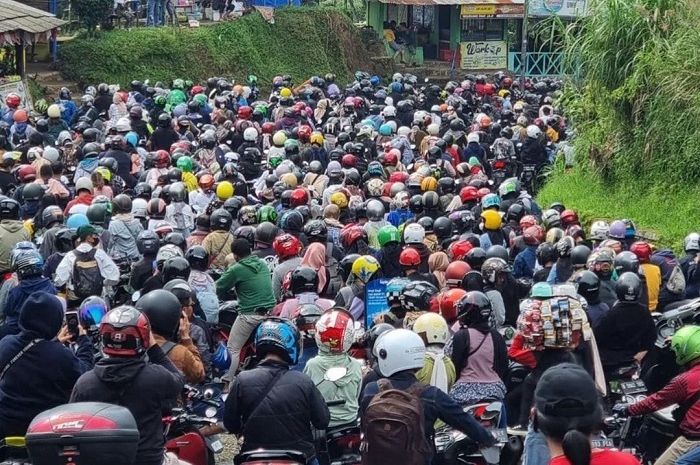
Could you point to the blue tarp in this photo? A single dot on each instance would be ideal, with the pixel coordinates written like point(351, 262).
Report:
point(276, 3)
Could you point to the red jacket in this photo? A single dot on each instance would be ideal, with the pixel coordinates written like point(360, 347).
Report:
point(519, 354)
point(681, 389)
point(84, 198)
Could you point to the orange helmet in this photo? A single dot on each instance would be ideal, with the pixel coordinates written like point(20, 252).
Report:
point(455, 272)
point(447, 301)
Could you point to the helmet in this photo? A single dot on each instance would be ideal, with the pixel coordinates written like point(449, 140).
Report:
point(493, 267)
point(375, 210)
point(490, 200)
point(303, 279)
point(447, 302)
point(628, 287)
point(51, 214)
point(266, 232)
point(246, 232)
point(417, 296)
point(568, 217)
point(468, 194)
point(121, 204)
point(280, 336)
point(588, 286)
point(565, 246)
point(198, 258)
point(233, 205)
point(691, 243)
point(286, 245)
point(339, 199)
point(443, 227)
point(473, 308)
point(99, 213)
point(292, 220)
point(533, 235)
point(13, 100)
point(33, 192)
point(267, 213)
point(247, 215)
point(388, 234)
point(415, 204)
point(455, 272)
point(497, 251)
point(399, 350)
point(156, 208)
point(54, 111)
point(148, 242)
point(579, 255)
point(220, 220)
point(516, 212)
point(91, 312)
point(428, 183)
point(365, 268)
point(413, 233)
point(459, 249)
point(9, 209)
point(492, 220)
point(27, 173)
point(685, 343)
point(250, 134)
point(554, 235)
point(533, 132)
point(316, 231)
point(125, 332)
point(163, 311)
point(410, 257)
point(642, 250)
point(626, 261)
point(335, 331)
point(432, 328)
point(551, 219)
point(161, 159)
point(299, 197)
point(617, 230)
point(176, 268)
point(224, 190)
point(27, 263)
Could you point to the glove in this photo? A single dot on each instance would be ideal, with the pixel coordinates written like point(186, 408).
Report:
point(621, 409)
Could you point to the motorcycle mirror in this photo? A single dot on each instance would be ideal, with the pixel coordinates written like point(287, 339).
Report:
point(208, 393)
point(335, 373)
point(136, 296)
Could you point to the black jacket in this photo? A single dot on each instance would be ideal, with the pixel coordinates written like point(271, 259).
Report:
point(286, 414)
point(147, 388)
point(626, 329)
point(123, 166)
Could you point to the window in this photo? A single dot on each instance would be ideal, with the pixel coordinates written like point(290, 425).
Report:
point(482, 29)
point(423, 16)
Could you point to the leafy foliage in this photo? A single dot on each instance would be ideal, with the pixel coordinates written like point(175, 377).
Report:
point(92, 12)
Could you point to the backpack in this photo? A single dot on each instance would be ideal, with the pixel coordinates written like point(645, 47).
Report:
point(393, 427)
point(87, 279)
point(335, 279)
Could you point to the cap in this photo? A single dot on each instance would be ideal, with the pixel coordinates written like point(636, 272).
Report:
point(566, 390)
point(85, 231)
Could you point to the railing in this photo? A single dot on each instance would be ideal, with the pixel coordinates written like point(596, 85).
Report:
point(537, 63)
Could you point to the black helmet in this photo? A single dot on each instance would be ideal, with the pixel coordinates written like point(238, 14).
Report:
point(475, 258)
point(416, 296)
point(265, 233)
point(65, 239)
point(110, 163)
point(446, 185)
point(292, 221)
point(98, 214)
point(515, 212)
point(473, 308)
point(164, 120)
point(121, 204)
point(143, 190)
point(497, 251)
point(233, 205)
point(51, 214)
point(431, 200)
point(148, 242)
point(427, 223)
point(316, 231)
point(443, 227)
point(303, 279)
point(176, 239)
point(163, 311)
point(90, 135)
point(9, 209)
point(415, 204)
point(246, 232)
point(473, 281)
point(346, 264)
point(198, 258)
point(176, 268)
point(579, 255)
point(370, 337)
point(626, 261)
point(588, 285)
point(546, 253)
point(220, 220)
point(91, 150)
point(33, 191)
point(628, 287)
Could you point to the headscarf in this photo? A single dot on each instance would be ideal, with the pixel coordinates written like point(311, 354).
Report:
point(315, 257)
point(437, 264)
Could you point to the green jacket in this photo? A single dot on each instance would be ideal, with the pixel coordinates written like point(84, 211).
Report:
point(250, 278)
point(346, 388)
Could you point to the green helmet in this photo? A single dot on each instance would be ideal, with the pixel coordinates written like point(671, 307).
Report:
point(541, 291)
point(160, 100)
point(686, 344)
point(41, 106)
point(201, 99)
point(275, 161)
point(185, 164)
point(252, 79)
point(290, 144)
point(178, 84)
point(188, 84)
point(388, 234)
point(267, 213)
point(507, 187)
point(262, 109)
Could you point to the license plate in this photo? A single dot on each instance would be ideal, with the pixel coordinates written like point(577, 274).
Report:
point(500, 434)
point(602, 443)
point(215, 443)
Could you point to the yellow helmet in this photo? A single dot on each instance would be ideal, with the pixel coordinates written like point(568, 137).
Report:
point(279, 138)
point(428, 183)
point(432, 328)
point(290, 180)
point(339, 199)
point(365, 267)
point(492, 220)
point(285, 92)
point(106, 174)
point(224, 190)
point(316, 138)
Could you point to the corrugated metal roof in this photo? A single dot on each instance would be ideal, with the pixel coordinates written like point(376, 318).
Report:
point(16, 17)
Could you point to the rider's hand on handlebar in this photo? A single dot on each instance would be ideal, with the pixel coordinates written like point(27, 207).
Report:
point(621, 409)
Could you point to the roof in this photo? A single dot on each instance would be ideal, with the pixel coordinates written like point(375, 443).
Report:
point(16, 17)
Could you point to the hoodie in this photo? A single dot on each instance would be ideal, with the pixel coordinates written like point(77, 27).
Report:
point(85, 168)
point(346, 388)
point(11, 232)
point(42, 377)
point(16, 298)
point(147, 386)
point(250, 277)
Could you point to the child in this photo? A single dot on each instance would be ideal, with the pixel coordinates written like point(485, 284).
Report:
point(438, 370)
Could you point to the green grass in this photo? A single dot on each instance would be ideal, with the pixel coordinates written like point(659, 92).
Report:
point(36, 90)
point(302, 42)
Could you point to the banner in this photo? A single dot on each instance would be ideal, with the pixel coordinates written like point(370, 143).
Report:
point(564, 8)
point(375, 300)
point(492, 10)
point(480, 55)
point(14, 84)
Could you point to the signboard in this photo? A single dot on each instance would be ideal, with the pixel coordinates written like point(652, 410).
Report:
point(564, 8)
point(14, 84)
point(484, 54)
point(492, 10)
point(375, 300)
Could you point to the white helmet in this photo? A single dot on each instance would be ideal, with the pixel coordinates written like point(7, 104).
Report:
point(123, 125)
point(473, 137)
point(691, 243)
point(389, 111)
point(599, 230)
point(522, 120)
point(83, 182)
point(435, 109)
point(533, 132)
point(392, 125)
point(250, 134)
point(433, 129)
point(397, 77)
point(51, 154)
point(139, 208)
point(399, 350)
point(389, 102)
point(403, 131)
point(419, 116)
point(432, 328)
point(413, 234)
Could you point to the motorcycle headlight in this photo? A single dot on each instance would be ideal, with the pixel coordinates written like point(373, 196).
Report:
point(210, 412)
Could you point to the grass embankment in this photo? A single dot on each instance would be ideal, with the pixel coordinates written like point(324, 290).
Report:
point(302, 42)
point(636, 110)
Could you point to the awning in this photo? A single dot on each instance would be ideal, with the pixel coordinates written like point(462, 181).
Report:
point(476, 3)
point(21, 23)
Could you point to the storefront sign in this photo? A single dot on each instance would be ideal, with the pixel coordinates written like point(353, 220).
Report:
point(484, 55)
point(564, 8)
point(492, 10)
point(15, 85)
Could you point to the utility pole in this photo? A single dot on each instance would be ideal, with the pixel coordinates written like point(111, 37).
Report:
point(523, 46)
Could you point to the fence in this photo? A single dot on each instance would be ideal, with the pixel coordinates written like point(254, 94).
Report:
point(537, 63)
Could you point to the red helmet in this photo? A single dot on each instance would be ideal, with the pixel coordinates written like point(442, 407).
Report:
point(304, 133)
point(455, 272)
point(286, 245)
point(409, 257)
point(642, 250)
point(26, 173)
point(348, 161)
point(447, 301)
point(244, 112)
point(539, 123)
point(482, 192)
point(12, 100)
point(182, 146)
point(527, 221)
point(125, 332)
point(358, 102)
point(335, 331)
point(533, 235)
point(506, 83)
point(268, 127)
point(197, 90)
point(392, 157)
point(469, 194)
point(162, 159)
point(299, 197)
point(206, 181)
point(20, 116)
point(398, 176)
point(386, 190)
point(459, 249)
point(350, 234)
point(568, 218)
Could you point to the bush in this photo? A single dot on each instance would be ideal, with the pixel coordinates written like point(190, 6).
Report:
point(92, 13)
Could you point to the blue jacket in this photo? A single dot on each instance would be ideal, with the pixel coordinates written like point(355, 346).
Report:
point(16, 298)
point(524, 264)
point(398, 217)
point(68, 110)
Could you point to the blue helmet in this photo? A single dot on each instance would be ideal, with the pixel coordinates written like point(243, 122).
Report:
point(490, 200)
point(27, 263)
point(394, 289)
point(375, 80)
point(279, 334)
point(385, 130)
point(77, 220)
point(396, 87)
point(221, 360)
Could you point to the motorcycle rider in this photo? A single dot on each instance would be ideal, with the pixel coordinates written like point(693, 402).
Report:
point(438, 370)
point(12, 231)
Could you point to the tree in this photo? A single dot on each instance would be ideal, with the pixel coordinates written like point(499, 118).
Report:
point(92, 13)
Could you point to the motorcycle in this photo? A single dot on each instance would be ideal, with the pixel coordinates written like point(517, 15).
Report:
point(528, 177)
point(13, 451)
point(271, 457)
point(184, 439)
